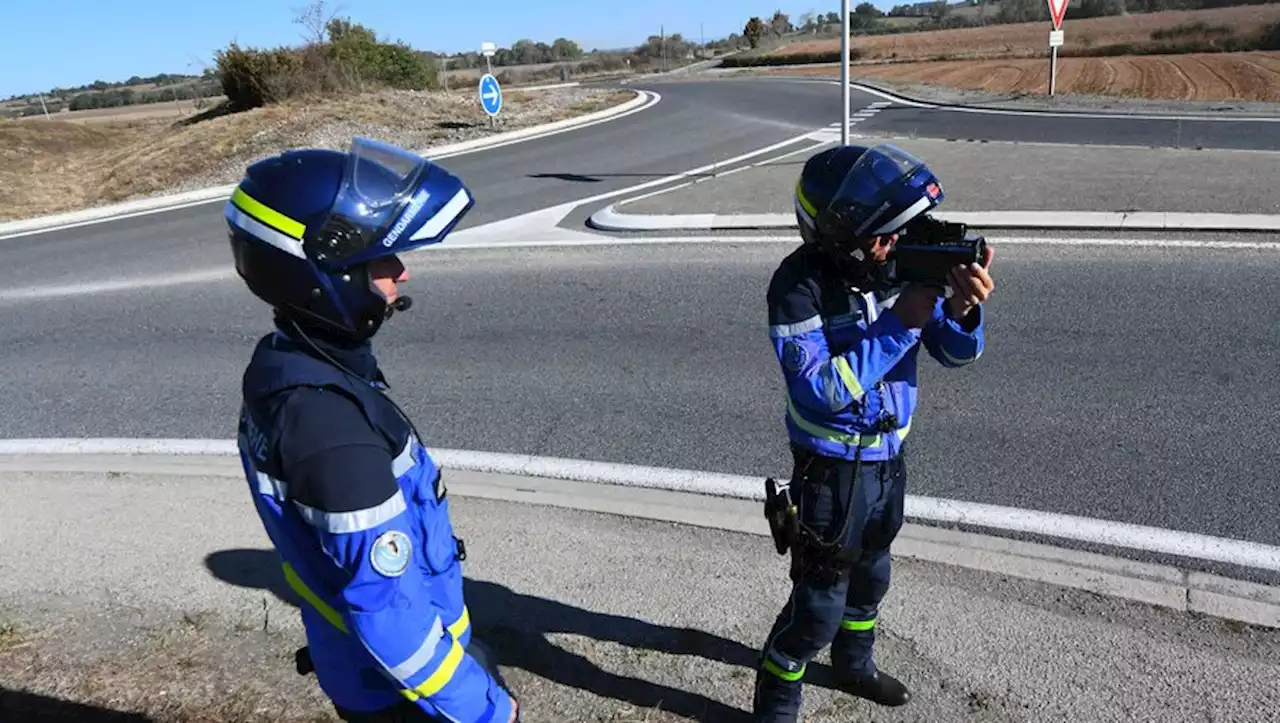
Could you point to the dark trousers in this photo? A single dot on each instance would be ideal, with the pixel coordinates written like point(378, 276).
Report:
point(409, 712)
point(836, 587)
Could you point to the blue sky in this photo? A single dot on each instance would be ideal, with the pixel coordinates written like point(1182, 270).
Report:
point(52, 43)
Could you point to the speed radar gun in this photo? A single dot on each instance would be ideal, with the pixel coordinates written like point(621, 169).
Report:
point(928, 248)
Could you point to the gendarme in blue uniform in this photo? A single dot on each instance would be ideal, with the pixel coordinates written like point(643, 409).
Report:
point(348, 495)
point(358, 511)
point(847, 363)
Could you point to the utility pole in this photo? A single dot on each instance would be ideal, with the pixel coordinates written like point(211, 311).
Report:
point(662, 43)
point(844, 73)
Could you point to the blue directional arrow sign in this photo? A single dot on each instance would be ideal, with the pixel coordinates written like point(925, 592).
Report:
point(490, 94)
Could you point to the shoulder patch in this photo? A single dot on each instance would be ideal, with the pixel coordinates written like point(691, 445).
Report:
point(390, 553)
point(794, 355)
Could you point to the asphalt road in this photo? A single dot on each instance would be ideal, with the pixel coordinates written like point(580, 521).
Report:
point(697, 123)
point(1111, 129)
point(1119, 383)
point(656, 355)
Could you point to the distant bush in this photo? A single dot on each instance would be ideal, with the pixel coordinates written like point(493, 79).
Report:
point(826, 56)
point(350, 59)
point(1197, 28)
point(1270, 39)
point(1197, 37)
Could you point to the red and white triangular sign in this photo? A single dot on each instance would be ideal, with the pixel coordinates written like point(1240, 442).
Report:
point(1057, 8)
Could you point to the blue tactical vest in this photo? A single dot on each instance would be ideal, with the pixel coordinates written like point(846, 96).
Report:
point(345, 668)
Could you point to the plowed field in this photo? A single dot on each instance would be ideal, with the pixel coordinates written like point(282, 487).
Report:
point(1207, 76)
point(1003, 41)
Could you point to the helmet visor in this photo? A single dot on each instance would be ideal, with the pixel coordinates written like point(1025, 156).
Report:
point(881, 192)
point(378, 181)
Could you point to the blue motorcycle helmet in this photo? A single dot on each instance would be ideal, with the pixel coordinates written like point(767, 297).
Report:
point(304, 226)
point(848, 195)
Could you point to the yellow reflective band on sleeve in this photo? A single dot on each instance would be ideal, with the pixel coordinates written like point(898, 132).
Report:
point(459, 626)
point(432, 685)
point(773, 667)
point(830, 435)
point(846, 374)
point(269, 216)
point(448, 666)
point(300, 587)
point(804, 202)
point(858, 625)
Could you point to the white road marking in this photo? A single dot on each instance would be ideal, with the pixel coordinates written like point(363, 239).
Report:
point(564, 238)
point(610, 218)
point(1049, 524)
point(36, 293)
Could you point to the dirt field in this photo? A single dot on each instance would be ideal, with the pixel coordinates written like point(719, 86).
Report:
point(1207, 76)
point(171, 111)
point(1003, 41)
point(52, 166)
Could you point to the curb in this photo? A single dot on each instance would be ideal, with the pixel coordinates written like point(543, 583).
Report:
point(530, 480)
point(610, 218)
point(128, 209)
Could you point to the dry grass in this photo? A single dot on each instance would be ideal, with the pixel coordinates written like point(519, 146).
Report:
point(52, 166)
point(171, 110)
point(196, 669)
point(1021, 40)
point(1200, 76)
point(186, 672)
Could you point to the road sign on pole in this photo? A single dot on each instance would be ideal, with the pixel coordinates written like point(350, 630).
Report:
point(1057, 10)
point(490, 95)
point(488, 50)
point(844, 72)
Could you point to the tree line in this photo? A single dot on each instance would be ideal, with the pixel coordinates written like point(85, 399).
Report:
point(867, 19)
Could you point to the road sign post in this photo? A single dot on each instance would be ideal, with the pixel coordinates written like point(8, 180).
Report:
point(490, 96)
point(1057, 9)
point(844, 72)
point(490, 91)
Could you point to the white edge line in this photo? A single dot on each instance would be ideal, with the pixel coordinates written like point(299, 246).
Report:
point(1050, 524)
point(226, 274)
point(610, 218)
point(172, 202)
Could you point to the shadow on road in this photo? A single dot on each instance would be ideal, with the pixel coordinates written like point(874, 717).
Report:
point(32, 708)
point(516, 626)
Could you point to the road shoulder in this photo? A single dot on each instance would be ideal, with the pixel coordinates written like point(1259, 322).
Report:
point(595, 616)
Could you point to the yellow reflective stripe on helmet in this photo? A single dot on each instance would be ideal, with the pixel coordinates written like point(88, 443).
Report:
point(830, 435)
point(300, 587)
point(804, 202)
point(846, 374)
point(269, 216)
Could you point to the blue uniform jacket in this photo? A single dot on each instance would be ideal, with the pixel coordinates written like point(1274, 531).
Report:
point(848, 362)
point(358, 512)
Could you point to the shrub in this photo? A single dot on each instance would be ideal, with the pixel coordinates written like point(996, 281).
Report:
point(351, 59)
point(826, 56)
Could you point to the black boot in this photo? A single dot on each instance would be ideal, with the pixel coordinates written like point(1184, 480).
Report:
point(775, 700)
point(879, 687)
